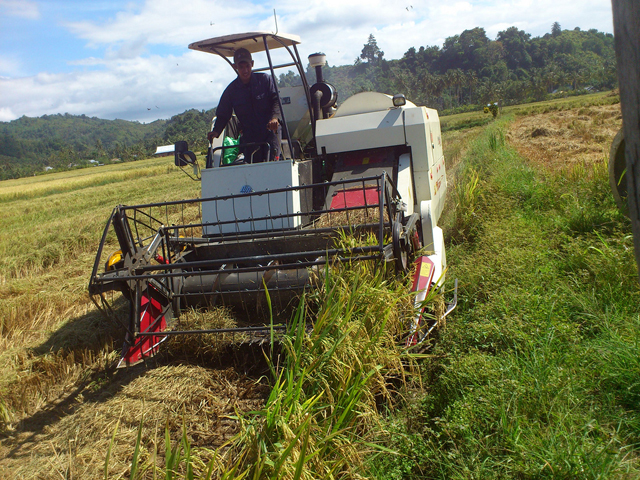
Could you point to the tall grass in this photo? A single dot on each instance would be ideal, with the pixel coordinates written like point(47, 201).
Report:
point(321, 419)
point(318, 419)
point(537, 375)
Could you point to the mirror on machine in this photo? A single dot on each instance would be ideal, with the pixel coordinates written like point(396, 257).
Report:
point(182, 155)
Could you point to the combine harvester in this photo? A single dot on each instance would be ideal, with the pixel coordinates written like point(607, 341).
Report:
point(365, 182)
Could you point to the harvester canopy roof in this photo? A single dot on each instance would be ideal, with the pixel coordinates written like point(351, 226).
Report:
point(252, 41)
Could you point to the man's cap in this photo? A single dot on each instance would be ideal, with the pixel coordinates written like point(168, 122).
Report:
point(241, 55)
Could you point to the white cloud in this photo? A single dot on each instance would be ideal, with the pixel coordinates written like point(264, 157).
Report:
point(7, 115)
point(134, 75)
point(20, 8)
point(338, 27)
point(134, 89)
point(88, 62)
point(10, 66)
point(167, 22)
point(456, 8)
point(132, 48)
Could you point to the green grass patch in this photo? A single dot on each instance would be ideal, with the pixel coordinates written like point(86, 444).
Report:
point(537, 373)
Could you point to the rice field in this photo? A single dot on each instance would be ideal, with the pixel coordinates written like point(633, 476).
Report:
point(535, 374)
point(64, 408)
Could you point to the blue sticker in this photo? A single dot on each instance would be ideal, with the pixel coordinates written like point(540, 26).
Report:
point(246, 189)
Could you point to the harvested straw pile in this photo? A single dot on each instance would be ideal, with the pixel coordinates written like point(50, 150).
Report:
point(203, 348)
point(564, 139)
point(73, 440)
point(70, 438)
point(353, 217)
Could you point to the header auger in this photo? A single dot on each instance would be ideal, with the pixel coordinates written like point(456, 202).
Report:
point(363, 183)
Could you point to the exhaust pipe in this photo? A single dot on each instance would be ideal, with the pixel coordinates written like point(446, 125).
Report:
point(323, 95)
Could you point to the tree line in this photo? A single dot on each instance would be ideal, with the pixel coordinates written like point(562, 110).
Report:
point(470, 70)
point(59, 142)
point(467, 72)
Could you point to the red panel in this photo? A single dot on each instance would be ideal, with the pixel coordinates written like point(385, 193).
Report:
point(151, 320)
point(424, 274)
point(368, 196)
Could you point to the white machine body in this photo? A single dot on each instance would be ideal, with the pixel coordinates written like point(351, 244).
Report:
point(369, 120)
point(364, 121)
point(239, 214)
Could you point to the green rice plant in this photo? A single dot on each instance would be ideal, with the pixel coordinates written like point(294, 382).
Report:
point(466, 196)
point(618, 363)
point(109, 449)
point(589, 204)
point(133, 474)
point(318, 418)
point(471, 174)
point(178, 460)
point(496, 139)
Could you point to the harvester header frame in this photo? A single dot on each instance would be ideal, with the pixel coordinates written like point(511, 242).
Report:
point(367, 185)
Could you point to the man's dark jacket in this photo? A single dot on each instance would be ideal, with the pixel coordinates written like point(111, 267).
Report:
point(254, 104)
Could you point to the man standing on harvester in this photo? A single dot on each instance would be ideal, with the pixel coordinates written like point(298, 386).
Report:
point(254, 99)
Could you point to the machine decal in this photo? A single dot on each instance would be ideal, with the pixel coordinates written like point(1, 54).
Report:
point(422, 281)
point(425, 270)
point(367, 157)
point(437, 186)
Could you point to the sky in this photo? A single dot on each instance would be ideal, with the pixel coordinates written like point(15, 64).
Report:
point(129, 59)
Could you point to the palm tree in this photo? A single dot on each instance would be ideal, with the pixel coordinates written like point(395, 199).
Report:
point(576, 77)
point(471, 81)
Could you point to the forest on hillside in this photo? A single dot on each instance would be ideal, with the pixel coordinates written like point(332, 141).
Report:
point(470, 70)
point(466, 73)
point(58, 142)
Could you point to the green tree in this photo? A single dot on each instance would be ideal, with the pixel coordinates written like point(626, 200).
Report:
point(289, 79)
point(100, 152)
point(515, 43)
point(465, 51)
point(371, 52)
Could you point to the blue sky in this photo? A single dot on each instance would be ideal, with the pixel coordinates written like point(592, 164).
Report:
point(129, 58)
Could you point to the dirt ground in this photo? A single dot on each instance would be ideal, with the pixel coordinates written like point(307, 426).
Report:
point(68, 435)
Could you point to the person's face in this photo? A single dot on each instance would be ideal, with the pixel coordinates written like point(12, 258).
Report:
point(244, 71)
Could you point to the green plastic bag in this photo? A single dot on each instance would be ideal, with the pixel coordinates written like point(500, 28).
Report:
point(229, 155)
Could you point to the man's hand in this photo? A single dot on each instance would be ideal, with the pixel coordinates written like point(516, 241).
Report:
point(212, 135)
point(273, 125)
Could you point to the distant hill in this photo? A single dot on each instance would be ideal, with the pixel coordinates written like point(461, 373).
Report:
point(33, 145)
point(467, 72)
